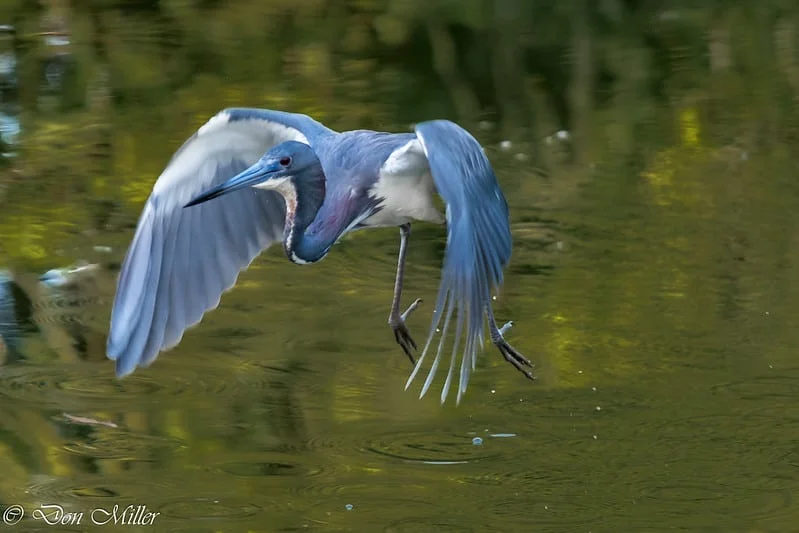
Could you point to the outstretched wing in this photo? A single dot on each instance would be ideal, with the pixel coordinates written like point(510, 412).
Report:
point(182, 260)
point(478, 243)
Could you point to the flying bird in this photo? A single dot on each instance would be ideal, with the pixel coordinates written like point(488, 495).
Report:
point(249, 178)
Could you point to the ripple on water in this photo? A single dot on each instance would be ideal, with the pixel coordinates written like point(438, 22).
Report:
point(84, 487)
point(382, 507)
point(744, 439)
point(342, 461)
point(431, 523)
point(265, 466)
point(429, 447)
point(208, 508)
point(121, 444)
point(785, 386)
point(53, 384)
point(719, 502)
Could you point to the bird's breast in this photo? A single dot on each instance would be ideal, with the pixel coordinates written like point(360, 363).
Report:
point(403, 198)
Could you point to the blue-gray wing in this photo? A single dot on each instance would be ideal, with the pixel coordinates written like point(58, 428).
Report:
point(182, 260)
point(478, 243)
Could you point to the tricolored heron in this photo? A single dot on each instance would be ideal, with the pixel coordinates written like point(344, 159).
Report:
point(273, 176)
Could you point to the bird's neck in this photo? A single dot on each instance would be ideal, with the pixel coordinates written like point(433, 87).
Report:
point(303, 200)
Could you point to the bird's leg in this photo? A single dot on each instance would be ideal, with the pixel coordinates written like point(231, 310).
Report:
point(510, 353)
point(395, 319)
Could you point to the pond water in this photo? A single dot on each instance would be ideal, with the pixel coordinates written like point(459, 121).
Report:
point(653, 280)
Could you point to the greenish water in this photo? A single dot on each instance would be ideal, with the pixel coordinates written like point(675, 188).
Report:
point(653, 281)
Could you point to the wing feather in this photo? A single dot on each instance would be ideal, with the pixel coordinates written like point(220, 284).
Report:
point(182, 260)
point(478, 243)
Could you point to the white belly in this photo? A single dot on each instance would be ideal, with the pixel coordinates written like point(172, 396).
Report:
point(406, 197)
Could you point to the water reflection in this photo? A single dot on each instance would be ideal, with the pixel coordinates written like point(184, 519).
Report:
point(16, 319)
point(652, 281)
point(9, 80)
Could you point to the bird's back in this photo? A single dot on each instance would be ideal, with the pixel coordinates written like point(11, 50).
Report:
point(354, 158)
point(358, 182)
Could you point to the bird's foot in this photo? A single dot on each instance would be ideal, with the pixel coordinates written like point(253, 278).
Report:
point(510, 353)
point(401, 333)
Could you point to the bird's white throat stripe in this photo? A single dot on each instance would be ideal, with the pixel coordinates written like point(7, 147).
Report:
point(286, 190)
point(297, 259)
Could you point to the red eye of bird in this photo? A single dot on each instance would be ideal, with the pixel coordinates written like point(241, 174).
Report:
point(285, 161)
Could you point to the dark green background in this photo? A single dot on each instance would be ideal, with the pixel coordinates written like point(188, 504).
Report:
point(654, 278)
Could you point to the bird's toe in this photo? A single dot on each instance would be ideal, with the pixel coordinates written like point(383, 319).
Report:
point(401, 333)
point(404, 339)
point(511, 354)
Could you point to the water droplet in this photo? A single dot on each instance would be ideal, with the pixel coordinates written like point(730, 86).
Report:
point(505, 145)
point(477, 441)
point(593, 389)
point(348, 507)
point(579, 371)
point(594, 437)
point(493, 391)
point(598, 408)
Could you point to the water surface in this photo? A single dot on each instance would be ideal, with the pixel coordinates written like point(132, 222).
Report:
point(653, 279)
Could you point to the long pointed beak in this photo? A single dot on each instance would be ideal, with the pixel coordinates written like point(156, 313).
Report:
point(254, 175)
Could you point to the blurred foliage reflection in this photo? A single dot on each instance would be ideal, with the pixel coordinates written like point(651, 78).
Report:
point(648, 150)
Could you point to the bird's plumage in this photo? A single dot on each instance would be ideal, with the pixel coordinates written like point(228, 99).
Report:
point(182, 260)
point(478, 243)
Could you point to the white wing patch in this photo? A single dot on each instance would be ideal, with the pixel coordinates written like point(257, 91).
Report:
point(217, 142)
point(257, 127)
point(406, 187)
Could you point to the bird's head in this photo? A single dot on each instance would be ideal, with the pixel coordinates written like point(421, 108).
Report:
point(285, 168)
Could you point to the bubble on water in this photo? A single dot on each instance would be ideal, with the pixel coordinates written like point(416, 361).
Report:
point(349, 507)
point(477, 441)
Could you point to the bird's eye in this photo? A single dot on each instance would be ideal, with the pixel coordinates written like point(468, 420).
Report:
point(285, 161)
